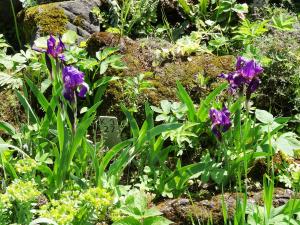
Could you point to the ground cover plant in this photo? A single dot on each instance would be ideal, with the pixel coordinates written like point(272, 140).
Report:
point(225, 150)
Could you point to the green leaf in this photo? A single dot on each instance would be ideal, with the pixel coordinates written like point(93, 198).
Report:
point(288, 142)
point(27, 107)
point(166, 106)
point(103, 67)
point(127, 221)
point(69, 37)
point(111, 154)
point(39, 95)
point(185, 6)
point(264, 116)
point(206, 104)
point(19, 58)
point(240, 8)
point(60, 130)
point(162, 128)
point(152, 212)
point(41, 42)
point(7, 128)
point(5, 147)
point(186, 99)
point(157, 220)
point(133, 124)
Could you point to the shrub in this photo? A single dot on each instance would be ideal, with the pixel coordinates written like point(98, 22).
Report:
point(280, 89)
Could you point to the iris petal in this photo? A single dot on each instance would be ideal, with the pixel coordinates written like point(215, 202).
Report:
point(73, 79)
point(220, 121)
point(83, 90)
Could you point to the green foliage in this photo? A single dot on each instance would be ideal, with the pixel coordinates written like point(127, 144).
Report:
point(220, 11)
point(170, 111)
point(280, 53)
point(134, 87)
point(283, 22)
point(78, 207)
point(131, 16)
point(11, 67)
point(135, 211)
point(28, 3)
point(267, 214)
point(248, 31)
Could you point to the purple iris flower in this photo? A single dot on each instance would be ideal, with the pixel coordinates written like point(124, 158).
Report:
point(55, 49)
point(73, 81)
point(220, 121)
point(246, 74)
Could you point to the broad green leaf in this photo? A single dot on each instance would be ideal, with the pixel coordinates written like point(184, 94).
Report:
point(152, 212)
point(288, 142)
point(69, 37)
point(264, 116)
point(103, 67)
point(4, 147)
point(157, 220)
point(127, 221)
point(41, 42)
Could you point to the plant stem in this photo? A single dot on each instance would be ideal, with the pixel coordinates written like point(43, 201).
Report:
point(15, 23)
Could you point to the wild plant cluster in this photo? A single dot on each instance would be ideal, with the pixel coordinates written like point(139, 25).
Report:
point(59, 165)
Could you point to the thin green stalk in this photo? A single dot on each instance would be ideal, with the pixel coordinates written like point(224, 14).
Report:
point(15, 23)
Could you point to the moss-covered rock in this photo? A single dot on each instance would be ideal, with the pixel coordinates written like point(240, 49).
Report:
point(139, 57)
point(10, 109)
point(184, 211)
point(48, 18)
point(56, 17)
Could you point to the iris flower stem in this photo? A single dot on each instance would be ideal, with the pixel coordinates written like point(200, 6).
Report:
point(75, 114)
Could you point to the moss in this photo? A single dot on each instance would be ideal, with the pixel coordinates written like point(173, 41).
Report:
point(138, 56)
point(78, 21)
point(48, 18)
point(11, 110)
point(186, 72)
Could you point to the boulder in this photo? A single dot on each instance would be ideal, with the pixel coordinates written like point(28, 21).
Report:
point(11, 110)
point(57, 17)
point(139, 56)
point(181, 211)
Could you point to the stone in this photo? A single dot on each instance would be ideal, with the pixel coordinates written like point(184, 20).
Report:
point(57, 17)
point(11, 110)
point(181, 210)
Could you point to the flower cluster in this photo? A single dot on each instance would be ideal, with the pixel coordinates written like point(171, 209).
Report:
point(220, 121)
point(246, 73)
point(26, 165)
point(73, 79)
point(23, 191)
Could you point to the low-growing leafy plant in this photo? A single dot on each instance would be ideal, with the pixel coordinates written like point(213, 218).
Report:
point(134, 210)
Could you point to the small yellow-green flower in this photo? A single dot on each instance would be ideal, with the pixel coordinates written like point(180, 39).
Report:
point(26, 165)
point(23, 191)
